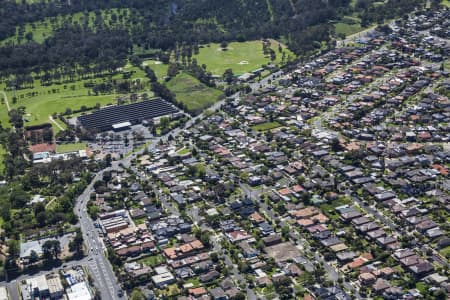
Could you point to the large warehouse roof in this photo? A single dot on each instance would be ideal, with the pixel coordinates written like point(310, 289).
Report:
point(105, 118)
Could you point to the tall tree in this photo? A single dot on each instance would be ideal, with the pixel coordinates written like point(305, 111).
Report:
point(136, 294)
point(51, 249)
point(228, 76)
point(77, 243)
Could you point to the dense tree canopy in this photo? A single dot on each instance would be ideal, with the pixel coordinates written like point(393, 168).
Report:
point(104, 49)
point(163, 24)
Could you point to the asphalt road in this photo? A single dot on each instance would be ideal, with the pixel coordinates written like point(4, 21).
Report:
point(99, 266)
point(237, 276)
point(436, 256)
point(96, 261)
point(374, 213)
point(331, 272)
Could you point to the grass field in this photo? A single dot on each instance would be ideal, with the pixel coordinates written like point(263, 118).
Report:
point(266, 126)
point(2, 152)
point(137, 73)
point(348, 25)
point(347, 29)
point(4, 118)
point(71, 147)
point(57, 98)
point(45, 103)
point(159, 68)
point(240, 57)
point(57, 128)
point(194, 94)
point(446, 3)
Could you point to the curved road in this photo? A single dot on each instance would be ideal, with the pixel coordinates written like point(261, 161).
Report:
point(99, 266)
point(96, 260)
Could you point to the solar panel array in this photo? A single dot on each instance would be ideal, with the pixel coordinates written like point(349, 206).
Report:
point(135, 113)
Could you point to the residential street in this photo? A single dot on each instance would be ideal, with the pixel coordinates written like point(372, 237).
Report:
point(197, 151)
point(98, 264)
point(331, 272)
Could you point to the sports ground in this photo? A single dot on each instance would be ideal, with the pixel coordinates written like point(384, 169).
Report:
point(40, 101)
point(240, 57)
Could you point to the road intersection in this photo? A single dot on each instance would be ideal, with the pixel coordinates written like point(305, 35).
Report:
point(96, 260)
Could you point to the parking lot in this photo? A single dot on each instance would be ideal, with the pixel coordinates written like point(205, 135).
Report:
point(119, 143)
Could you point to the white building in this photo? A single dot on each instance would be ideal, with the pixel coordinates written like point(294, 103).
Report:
point(4, 293)
point(79, 291)
point(35, 287)
point(163, 276)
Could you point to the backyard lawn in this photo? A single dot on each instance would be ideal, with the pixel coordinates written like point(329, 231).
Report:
point(447, 64)
point(241, 57)
point(266, 126)
point(194, 94)
point(183, 151)
point(152, 261)
point(445, 252)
